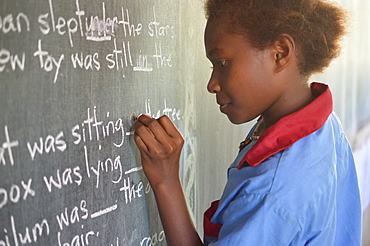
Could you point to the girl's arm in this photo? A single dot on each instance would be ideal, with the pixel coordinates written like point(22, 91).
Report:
point(160, 145)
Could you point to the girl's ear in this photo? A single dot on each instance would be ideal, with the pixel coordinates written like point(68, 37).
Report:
point(284, 50)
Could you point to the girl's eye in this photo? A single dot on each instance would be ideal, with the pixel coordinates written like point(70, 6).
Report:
point(222, 62)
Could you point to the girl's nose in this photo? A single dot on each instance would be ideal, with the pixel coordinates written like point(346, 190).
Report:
point(213, 84)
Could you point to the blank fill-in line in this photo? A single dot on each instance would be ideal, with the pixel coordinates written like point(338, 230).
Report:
point(98, 39)
point(135, 169)
point(104, 211)
point(143, 69)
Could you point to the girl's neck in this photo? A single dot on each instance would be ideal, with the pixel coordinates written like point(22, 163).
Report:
point(294, 99)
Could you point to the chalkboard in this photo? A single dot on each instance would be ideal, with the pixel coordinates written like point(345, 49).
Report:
point(73, 76)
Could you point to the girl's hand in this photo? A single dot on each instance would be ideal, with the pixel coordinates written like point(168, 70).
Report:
point(160, 145)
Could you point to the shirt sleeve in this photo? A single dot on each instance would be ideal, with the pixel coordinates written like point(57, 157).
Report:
point(257, 220)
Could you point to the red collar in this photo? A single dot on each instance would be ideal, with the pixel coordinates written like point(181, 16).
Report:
point(292, 128)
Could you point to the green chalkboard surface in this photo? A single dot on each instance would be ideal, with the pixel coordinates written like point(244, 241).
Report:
point(73, 76)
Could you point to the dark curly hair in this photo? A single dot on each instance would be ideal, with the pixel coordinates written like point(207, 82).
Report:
point(317, 26)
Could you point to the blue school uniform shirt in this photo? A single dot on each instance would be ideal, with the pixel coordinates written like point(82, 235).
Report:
point(296, 185)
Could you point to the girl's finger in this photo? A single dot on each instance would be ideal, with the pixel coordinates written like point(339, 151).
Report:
point(146, 136)
point(154, 128)
point(140, 144)
point(169, 127)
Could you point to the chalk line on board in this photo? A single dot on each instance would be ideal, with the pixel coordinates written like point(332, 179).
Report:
point(135, 169)
point(104, 211)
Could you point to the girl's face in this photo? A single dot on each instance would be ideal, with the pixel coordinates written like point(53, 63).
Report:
point(243, 77)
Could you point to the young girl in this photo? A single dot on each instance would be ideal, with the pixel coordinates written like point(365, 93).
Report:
point(294, 180)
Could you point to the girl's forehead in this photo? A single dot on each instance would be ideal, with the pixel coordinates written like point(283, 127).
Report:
point(216, 24)
point(219, 41)
point(222, 27)
point(216, 32)
point(214, 38)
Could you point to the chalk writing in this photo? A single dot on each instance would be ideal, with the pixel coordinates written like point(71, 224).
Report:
point(47, 61)
point(50, 144)
point(67, 177)
point(120, 58)
point(107, 166)
point(87, 62)
point(13, 59)
point(10, 24)
point(28, 234)
point(7, 147)
point(79, 239)
point(48, 164)
point(157, 29)
point(104, 211)
point(70, 217)
point(96, 28)
point(100, 29)
point(14, 193)
point(142, 64)
point(131, 190)
point(94, 129)
point(61, 24)
point(135, 169)
point(129, 29)
point(173, 113)
point(153, 240)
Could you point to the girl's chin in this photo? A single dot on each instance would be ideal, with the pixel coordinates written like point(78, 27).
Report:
point(235, 120)
point(238, 120)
